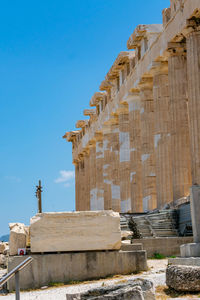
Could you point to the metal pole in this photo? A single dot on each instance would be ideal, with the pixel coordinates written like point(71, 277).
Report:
point(17, 288)
point(40, 198)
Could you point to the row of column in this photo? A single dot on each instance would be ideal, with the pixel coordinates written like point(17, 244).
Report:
point(148, 154)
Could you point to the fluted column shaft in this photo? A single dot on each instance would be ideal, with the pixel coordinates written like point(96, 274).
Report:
point(107, 136)
point(193, 71)
point(147, 145)
point(99, 174)
point(135, 152)
point(81, 186)
point(181, 166)
point(124, 159)
point(93, 194)
point(77, 193)
point(115, 185)
point(162, 137)
point(87, 181)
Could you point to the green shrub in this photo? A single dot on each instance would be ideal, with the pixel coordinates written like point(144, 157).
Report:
point(157, 255)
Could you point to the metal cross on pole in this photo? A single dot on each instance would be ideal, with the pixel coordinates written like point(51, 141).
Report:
point(38, 194)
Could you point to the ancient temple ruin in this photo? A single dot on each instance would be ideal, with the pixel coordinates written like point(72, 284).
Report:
point(140, 147)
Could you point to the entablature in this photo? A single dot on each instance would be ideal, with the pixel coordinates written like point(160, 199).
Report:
point(97, 97)
point(143, 37)
point(105, 86)
point(122, 59)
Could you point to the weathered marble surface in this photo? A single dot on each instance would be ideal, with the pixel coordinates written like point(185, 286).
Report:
point(75, 231)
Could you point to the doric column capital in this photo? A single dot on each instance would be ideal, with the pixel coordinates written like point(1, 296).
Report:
point(91, 113)
point(133, 99)
point(99, 136)
point(86, 151)
point(159, 68)
point(97, 97)
point(114, 120)
point(79, 158)
point(81, 123)
point(146, 83)
point(71, 135)
point(132, 96)
point(175, 49)
point(92, 143)
point(106, 129)
point(76, 161)
point(122, 109)
point(193, 25)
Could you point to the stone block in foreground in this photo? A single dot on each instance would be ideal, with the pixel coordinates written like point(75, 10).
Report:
point(183, 278)
point(78, 266)
point(138, 289)
point(75, 231)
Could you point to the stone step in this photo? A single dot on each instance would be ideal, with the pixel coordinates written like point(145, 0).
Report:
point(157, 224)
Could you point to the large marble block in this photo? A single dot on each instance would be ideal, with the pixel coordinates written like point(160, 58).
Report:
point(75, 231)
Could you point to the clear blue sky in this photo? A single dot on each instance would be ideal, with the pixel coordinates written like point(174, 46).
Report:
point(54, 54)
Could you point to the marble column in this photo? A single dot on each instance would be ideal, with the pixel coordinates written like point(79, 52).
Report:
point(124, 158)
point(133, 100)
point(93, 190)
point(99, 172)
point(87, 180)
point(107, 136)
point(193, 76)
point(147, 145)
point(162, 137)
point(81, 183)
point(77, 205)
point(180, 144)
point(115, 179)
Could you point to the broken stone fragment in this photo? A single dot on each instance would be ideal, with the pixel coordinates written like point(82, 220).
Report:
point(183, 278)
point(18, 237)
point(6, 248)
point(138, 289)
point(125, 293)
point(2, 247)
point(2, 260)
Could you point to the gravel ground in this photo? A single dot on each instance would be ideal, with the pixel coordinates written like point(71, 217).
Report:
point(156, 273)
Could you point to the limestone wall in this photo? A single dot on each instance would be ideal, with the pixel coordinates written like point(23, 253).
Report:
point(142, 136)
point(66, 267)
point(167, 246)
